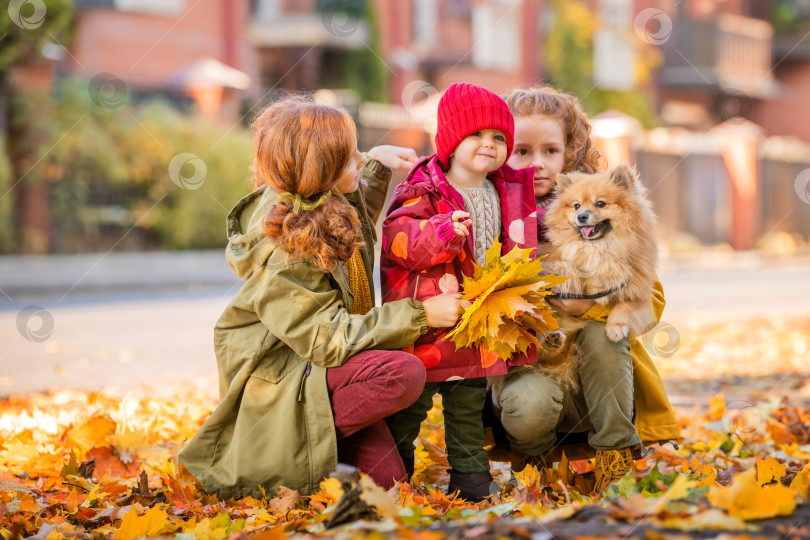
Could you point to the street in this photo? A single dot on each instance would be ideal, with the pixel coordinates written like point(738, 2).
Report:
point(112, 344)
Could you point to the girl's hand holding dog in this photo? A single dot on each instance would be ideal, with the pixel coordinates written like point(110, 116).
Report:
point(443, 310)
point(461, 222)
point(575, 308)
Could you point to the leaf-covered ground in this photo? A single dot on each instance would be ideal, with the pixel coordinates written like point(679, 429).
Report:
point(89, 465)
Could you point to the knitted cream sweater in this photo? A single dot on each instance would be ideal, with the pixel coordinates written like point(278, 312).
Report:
point(484, 207)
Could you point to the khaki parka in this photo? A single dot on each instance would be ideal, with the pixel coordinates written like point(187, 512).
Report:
point(274, 342)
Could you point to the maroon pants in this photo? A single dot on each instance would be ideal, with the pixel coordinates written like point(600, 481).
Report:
point(368, 387)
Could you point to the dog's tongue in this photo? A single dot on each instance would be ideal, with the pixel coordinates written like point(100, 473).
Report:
point(586, 231)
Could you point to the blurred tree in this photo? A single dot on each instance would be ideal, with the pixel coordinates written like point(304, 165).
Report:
point(108, 172)
point(569, 61)
point(29, 26)
point(28, 29)
point(6, 201)
point(790, 16)
point(360, 70)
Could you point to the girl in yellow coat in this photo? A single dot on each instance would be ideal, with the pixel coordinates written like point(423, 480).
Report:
point(623, 403)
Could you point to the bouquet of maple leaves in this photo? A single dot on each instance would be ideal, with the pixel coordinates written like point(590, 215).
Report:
point(508, 304)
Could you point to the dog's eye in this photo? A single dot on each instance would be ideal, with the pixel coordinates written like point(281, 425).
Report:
point(600, 204)
point(576, 206)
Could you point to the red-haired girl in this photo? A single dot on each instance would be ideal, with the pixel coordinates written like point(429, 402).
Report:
point(306, 377)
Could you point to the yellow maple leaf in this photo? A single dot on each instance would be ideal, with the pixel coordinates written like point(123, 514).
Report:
point(707, 476)
point(331, 491)
point(801, 483)
point(375, 496)
point(97, 431)
point(151, 523)
point(770, 469)
point(717, 407)
point(508, 303)
point(208, 529)
point(746, 499)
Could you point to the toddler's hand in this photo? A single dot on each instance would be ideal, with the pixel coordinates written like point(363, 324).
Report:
point(444, 310)
point(394, 157)
point(461, 222)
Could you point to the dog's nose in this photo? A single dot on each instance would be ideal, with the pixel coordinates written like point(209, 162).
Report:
point(582, 217)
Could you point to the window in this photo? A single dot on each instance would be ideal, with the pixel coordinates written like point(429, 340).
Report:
point(424, 23)
point(496, 35)
point(160, 7)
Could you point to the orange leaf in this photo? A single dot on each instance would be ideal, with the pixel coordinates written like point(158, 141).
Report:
point(96, 431)
point(717, 407)
point(108, 463)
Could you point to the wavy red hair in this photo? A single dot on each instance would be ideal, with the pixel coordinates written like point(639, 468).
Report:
point(580, 155)
point(302, 148)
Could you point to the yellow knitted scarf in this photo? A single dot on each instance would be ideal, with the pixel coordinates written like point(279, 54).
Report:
point(358, 283)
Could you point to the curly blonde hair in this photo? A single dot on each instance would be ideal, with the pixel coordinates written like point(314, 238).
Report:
point(580, 155)
point(302, 148)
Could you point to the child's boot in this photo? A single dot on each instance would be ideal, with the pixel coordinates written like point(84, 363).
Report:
point(473, 487)
point(610, 466)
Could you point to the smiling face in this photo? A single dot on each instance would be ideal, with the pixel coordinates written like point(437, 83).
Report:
point(350, 177)
point(479, 153)
point(539, 143)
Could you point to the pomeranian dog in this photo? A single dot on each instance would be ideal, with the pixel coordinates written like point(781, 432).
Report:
point(601, 229)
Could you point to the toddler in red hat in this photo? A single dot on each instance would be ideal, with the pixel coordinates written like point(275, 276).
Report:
point(445, 215)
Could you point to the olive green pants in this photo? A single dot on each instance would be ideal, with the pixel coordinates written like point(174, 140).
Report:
point(463, 403)
point(533, 408)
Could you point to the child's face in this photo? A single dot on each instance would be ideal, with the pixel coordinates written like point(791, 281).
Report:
point(539, 143)
point(481, 152)
point(350, 176)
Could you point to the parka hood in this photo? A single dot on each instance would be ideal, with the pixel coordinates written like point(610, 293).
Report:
point(248, 245)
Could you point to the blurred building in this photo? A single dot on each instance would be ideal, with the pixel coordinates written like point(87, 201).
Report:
point(177, 48)
point(729, 91)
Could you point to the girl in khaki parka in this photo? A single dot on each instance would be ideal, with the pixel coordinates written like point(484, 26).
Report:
point(305, 367)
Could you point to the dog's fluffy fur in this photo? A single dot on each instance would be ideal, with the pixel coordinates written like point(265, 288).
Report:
point(601, 229)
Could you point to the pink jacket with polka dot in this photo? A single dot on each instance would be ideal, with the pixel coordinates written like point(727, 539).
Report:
point(422, 257)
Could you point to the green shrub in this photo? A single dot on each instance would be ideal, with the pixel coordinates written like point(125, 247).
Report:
point(109, 172)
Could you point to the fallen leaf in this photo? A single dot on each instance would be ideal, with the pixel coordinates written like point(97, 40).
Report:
point(769, 469)
point(152, 523)
point(748, 500)
point(286, 500)
point(97, 431)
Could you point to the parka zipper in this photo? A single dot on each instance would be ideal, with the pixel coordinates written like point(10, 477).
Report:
point(303, 380)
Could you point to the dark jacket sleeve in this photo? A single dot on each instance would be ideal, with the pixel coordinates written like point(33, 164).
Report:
point(377, 177)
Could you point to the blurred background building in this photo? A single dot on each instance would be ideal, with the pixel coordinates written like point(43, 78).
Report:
point(707, 97)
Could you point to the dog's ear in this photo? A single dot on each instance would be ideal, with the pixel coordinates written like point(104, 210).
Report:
point(624, 176)
point(563, 182)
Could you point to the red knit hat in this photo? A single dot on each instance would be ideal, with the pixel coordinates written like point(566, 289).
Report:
point(466, 108)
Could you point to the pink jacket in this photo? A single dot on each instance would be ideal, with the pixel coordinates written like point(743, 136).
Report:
point(422, 257)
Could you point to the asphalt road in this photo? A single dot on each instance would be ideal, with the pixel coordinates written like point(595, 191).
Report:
point(116, 343)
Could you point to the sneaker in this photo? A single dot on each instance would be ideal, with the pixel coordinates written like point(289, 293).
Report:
point(610, 466)
point(473, 487)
